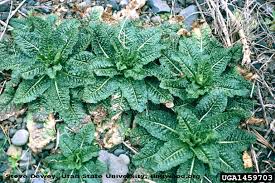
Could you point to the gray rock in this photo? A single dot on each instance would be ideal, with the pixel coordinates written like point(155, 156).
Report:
point(20, 137)
point(85, 4)
point(124, 3)
point(12, 132)
point(5, 6)
point(26, 156)
point(4, 15)
point(22, 180)
point(12, 119)
point(2, 136)
point(19, 120)
point(24, 165)
point(116, 166)
point(118, 152)
point(190, 15)
point(125, 158)
point(39, 125)
point(159, 6)
point(50, 146)
point(156, 19)
point(38, 180)
point(114, 4)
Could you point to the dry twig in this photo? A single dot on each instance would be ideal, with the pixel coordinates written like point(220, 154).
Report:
point(11, 14)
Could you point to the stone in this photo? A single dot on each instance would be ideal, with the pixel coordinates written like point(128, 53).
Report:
point(26, 156)
point(159, 6)
point(123, 3)
point(14, 151)
point(125, 158)
point(39, 125)
point(12, 132)
point(22, 180)
point(156, 19)
point(50, 146)
point(24, 165)
point(12, 119)
point(114, 4)
point(20, 137)
point(85, 4)
point(38, 180)
point(118, 152)
point(2, 135)
point(19, 120)
point(116, 166)
point(190, 15)
point(5, 6)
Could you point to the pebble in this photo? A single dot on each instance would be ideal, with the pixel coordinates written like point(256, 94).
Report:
point(19, 120)
point(85, 4)
point(124, 3)
point(12, 119)
point(5, 7)
point(22, 180)
point(118, 152)
point(156, 19)
point(190, 15)
point(125, 158)
point(116, 165)
point(12, 132)
point(159, 6)
point(2, 136)
point(50, 146)
point(20, 137)
point(26, 156)
point(24, 165)
point(114, 4)
point(38, 180)
point(39, 125)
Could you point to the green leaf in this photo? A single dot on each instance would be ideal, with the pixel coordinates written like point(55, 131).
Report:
point(187, 122)
point(28, 42)
point(57, 97)
point(238, 140)
point(145, 158)
point(171, 154)
point(67, 145)
point(156, 94)
point(231, 161)
point(91, 168)
point(191, 167)
point(66, 36)
point(85, 136)
point(101, 35)
point(88, 152)
point(102, 89)
point(29, 90)
point(159, 124)
point(135, 93)
point(74, 114)
point(139, 136)
point(208, 154)
point(223, 123)
point(231, 86)
point(211, 104)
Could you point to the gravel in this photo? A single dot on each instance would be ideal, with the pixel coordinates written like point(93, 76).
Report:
point(26, 156)
point(158, 6)
point(12, 132)
point(118, 152)
point(190, 15)
point(20, 137)
point(116, 166)
point(114, 4)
